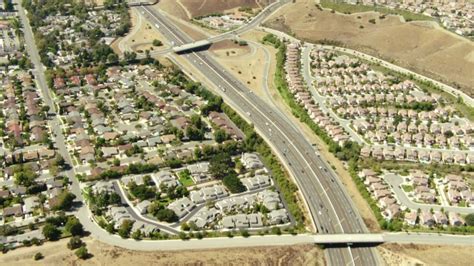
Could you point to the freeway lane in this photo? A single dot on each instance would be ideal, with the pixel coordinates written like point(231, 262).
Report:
point(329, 205)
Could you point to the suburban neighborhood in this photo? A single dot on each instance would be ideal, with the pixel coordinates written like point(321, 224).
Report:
point(290, 151)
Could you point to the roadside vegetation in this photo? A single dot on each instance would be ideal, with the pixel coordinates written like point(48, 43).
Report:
point(341, 7)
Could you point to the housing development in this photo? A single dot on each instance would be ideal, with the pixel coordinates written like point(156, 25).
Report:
point(140, 127)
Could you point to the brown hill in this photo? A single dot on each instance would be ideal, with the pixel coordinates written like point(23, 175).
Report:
point(421, 46)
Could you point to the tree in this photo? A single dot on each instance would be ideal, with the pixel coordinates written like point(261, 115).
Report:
point(50, 232)
point(74, 243)
point(59, 161)
point(130, 56)
point(74, 226)
point(166, 215)
point(157, 42)
point(276, 230)
point(65, 201)
point(233, 183)
point(82, 253)
point(112, 58)
point(185, 227)
point(110, 228)
point(244, 233)
point(38, 256)
point(8, 230)
point(470, 219)
point(137, 235)
point(220, 136)
point(199, 235)
point(124, 230)
point(8, 5)
point(183, 236)
point(220, 165)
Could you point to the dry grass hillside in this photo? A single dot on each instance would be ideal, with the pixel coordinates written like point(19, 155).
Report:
point(410, 254)
point(56, 253)
point(194, 8)
point(421, 46)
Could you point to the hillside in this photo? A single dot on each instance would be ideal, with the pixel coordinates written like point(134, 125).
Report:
point(421, 46)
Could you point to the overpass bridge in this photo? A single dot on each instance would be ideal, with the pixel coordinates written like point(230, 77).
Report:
point(348, 239)
point(197, 45)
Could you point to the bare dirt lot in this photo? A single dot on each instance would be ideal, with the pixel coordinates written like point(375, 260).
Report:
point(56, 253)
point(404, 255)
point(421, 46)
point(188, 9)
point(245, 62)
point(140, 37)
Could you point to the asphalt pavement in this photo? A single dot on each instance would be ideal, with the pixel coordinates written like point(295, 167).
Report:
point(329, 204)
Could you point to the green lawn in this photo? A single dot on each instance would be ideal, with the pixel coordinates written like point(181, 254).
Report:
point(407, 188)
point(345, 8)
point(186, 181)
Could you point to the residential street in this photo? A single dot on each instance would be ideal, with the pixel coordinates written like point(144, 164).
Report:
point(395, 182)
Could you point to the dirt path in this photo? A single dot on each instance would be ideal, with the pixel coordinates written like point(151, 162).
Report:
point(188, 14)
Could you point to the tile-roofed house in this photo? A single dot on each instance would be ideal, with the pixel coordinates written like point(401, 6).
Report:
point(392, 211)
point(411, 217)
point(426, 219)
point(15, 210)
point(455, 219)
point(440, 218)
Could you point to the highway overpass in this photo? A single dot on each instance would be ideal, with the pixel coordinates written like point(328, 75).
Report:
point(348, 239)
point(193, 46)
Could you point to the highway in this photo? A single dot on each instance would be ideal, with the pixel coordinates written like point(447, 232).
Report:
point(329, 205)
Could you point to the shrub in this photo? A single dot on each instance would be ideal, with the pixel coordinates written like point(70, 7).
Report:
point(244, 233)
point(50, 232)
point(38, 256)
point(74, 243)
point(470, 219)
point(157, 42)
point(276, 230)
point(82, 253)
